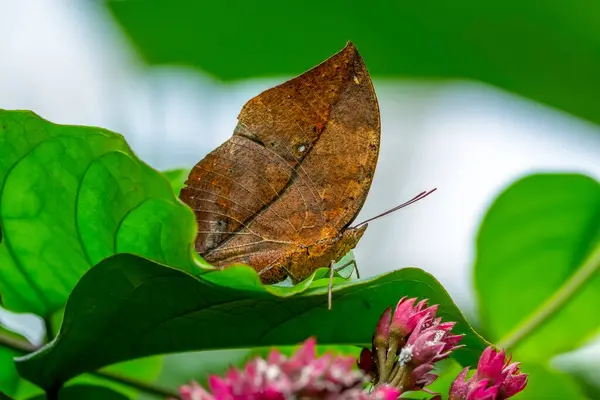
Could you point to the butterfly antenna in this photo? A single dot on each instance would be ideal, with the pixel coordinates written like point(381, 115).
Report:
point(418, 197)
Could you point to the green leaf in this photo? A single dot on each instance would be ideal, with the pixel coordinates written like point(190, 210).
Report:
point(141, 308)
point(546, 383)
point(71, 196)
point(538, 254)
point(176, 178)
point(549, 54)
point(87, 392)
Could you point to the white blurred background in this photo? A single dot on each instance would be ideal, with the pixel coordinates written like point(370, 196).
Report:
point(71, 64)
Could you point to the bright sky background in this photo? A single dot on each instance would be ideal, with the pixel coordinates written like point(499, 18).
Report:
point(70, 64)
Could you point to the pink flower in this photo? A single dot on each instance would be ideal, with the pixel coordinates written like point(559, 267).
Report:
point(425, 346)
point(496, 378)
point(406, 346)
point(302, 376)
point(407, 316)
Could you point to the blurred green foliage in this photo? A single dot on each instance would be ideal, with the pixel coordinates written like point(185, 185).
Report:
point(539, 245)
point(546, 51)
point(538, 254)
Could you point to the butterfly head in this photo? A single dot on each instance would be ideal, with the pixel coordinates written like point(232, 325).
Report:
point(352, 235)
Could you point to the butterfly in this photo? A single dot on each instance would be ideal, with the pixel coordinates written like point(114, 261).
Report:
point(281, 194)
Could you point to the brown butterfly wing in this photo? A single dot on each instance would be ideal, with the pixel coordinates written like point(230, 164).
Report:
point(297, 169)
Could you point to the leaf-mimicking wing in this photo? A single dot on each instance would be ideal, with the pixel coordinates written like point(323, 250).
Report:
point(295, 172)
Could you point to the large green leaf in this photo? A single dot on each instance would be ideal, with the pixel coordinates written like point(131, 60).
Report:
point(545, 51)
point(71, 196)
point(536, 274)
point(142, 308)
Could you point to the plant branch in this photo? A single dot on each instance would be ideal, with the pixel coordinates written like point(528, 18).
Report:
point(24, 347)
point(554, 303)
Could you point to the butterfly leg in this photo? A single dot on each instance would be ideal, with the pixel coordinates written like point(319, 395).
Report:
point(341, 268)
point(330, 289)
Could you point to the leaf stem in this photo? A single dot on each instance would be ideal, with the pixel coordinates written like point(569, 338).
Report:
point(554, 303)
point(24, 347)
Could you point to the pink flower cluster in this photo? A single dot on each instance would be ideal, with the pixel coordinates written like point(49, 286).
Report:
point(303, 376)
point(406, 345)
point(496, 378)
